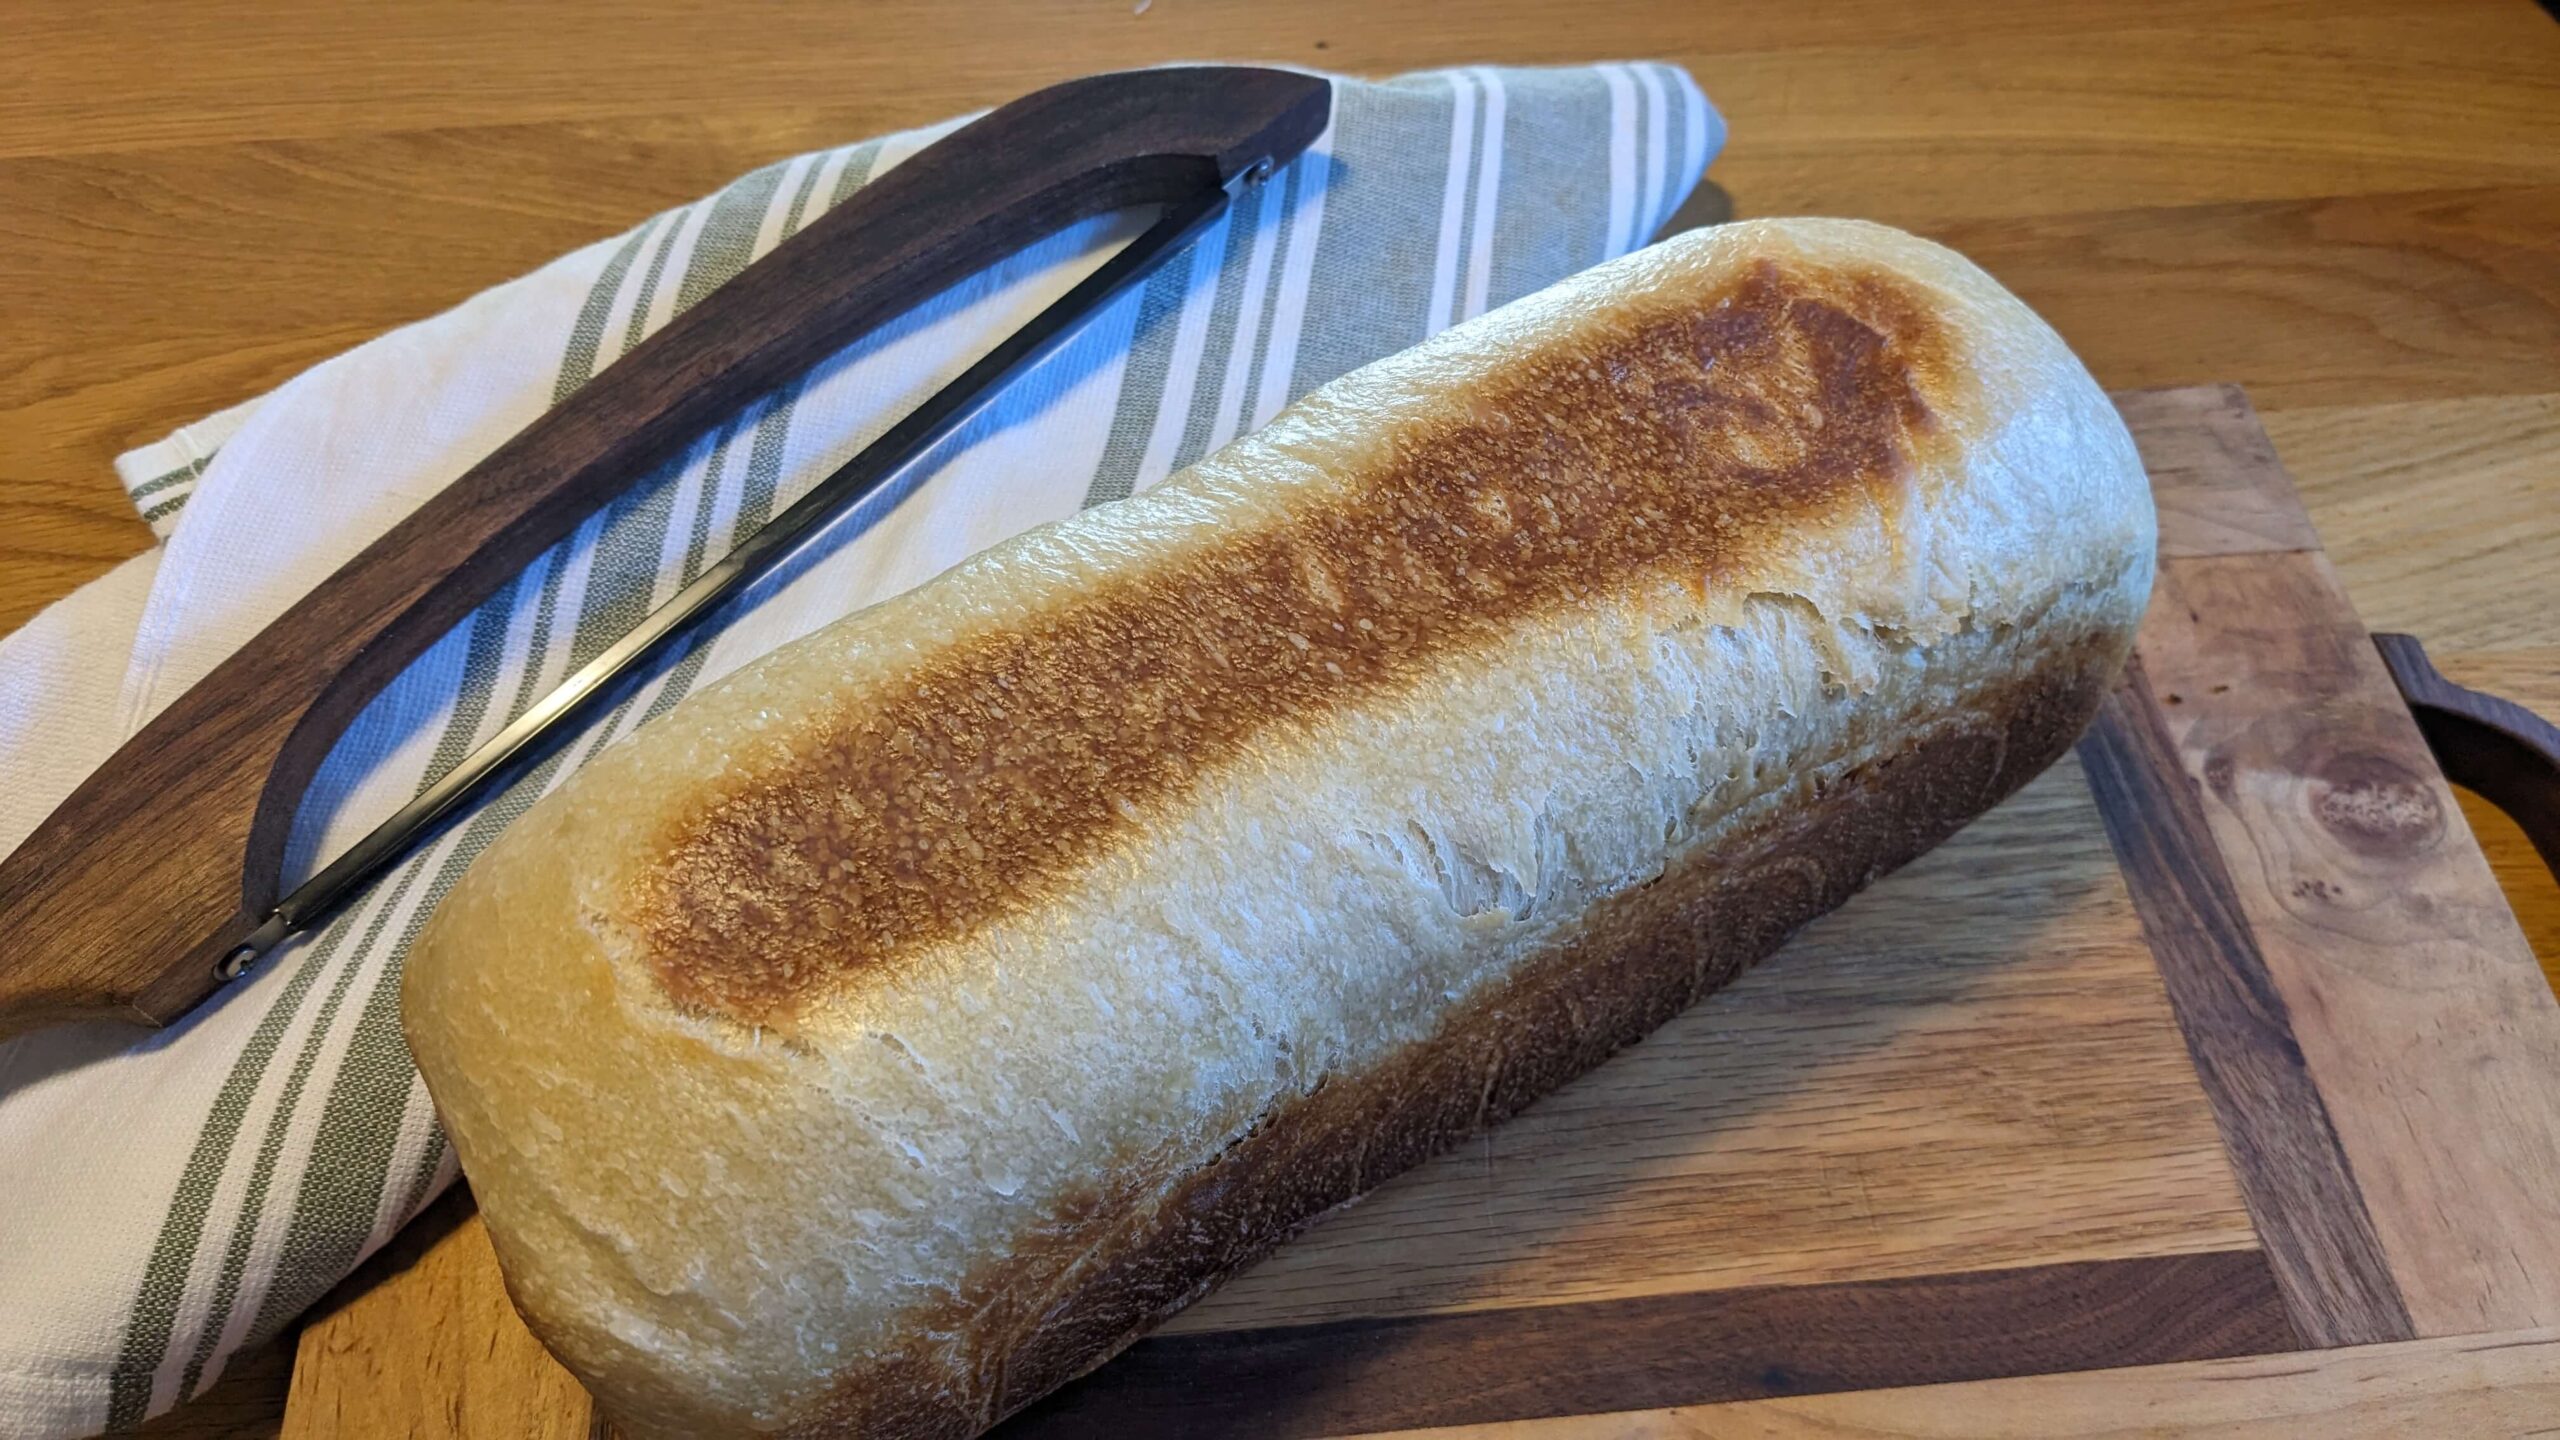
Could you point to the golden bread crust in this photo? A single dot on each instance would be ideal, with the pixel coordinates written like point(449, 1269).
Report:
point(904, 1022)
point(1686, 437)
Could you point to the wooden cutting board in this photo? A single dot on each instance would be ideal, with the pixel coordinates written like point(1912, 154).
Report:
point(2216, 1041)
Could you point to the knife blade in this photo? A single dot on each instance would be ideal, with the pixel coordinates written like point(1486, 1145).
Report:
point(160, 877)
point(556, 715)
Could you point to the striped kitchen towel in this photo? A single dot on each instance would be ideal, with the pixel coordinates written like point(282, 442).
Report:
point(171, 1198)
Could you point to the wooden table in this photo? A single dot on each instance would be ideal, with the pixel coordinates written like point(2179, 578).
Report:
point(2353, 209)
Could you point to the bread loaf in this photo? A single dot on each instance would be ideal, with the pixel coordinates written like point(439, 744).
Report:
point(901, 1026)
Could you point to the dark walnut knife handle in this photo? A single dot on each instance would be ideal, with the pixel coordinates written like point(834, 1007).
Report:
point(125, 899)
point(2491, 746)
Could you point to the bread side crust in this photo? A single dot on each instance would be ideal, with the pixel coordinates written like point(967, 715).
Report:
point(1056, 1309)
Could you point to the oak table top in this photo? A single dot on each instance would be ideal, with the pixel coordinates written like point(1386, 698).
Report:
point(2352, 209)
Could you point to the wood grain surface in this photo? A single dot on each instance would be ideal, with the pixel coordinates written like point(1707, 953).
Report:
point(2351, 207)
point(419, 1343)
point(2418, 1007)
point(2214, 474)
point(2309, 1211)
point(2465, 1385)
point(1699, 1347)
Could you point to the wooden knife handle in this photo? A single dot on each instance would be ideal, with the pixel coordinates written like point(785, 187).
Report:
point(124, 900)
point(2491, 746)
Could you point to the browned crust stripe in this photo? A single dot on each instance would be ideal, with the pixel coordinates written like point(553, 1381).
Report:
point(1104, 1271)
point(1685, 438)
point(2293, 1173)
point(1700, 1348)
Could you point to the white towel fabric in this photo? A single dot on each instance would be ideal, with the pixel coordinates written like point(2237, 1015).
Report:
point(170, 1198)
